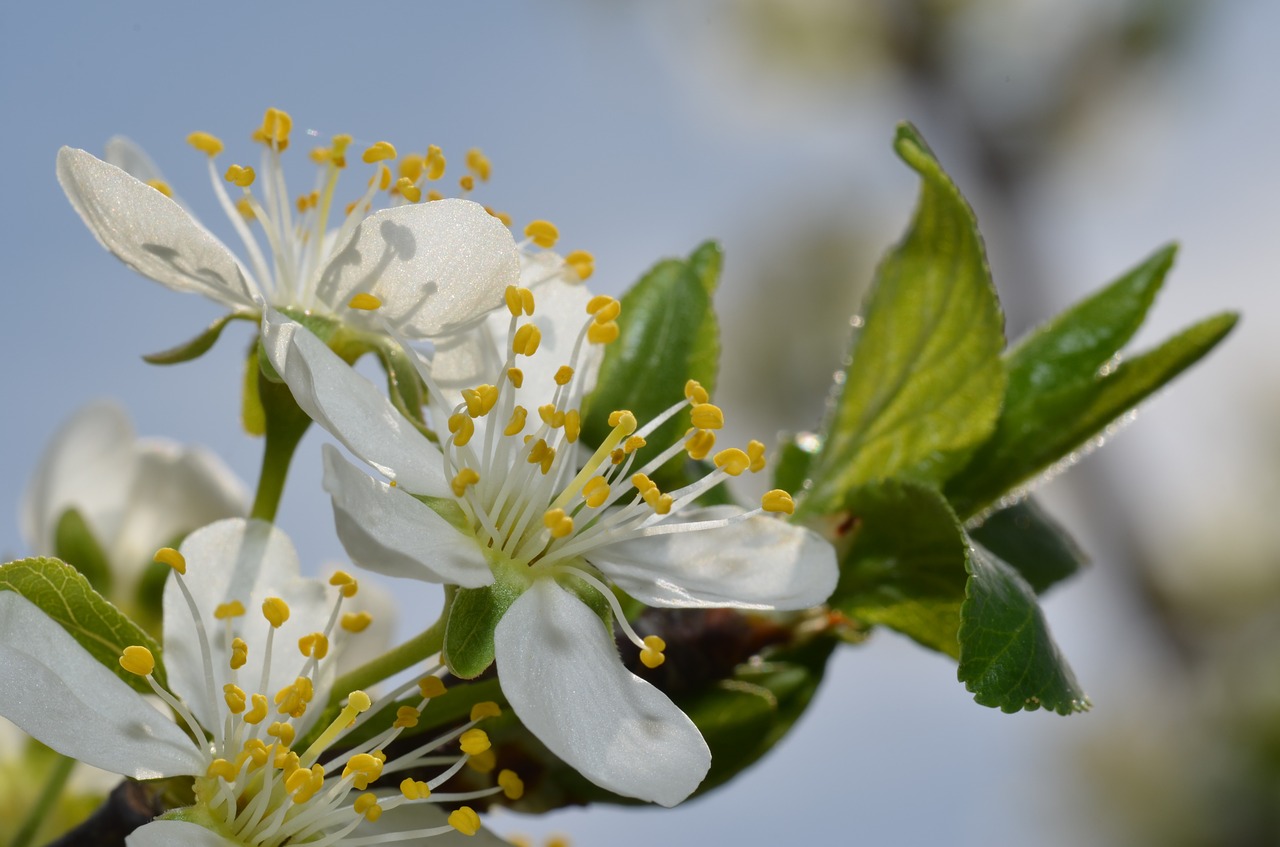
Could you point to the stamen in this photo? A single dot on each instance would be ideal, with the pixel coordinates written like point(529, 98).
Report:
point(707, 416)
point(582, 263)
point(778, 501)
point(365, 302)
point(356, 621)
point(138, 660)
point(231, 609)
point(276, 611)
point(542, 233)
point(172, 558)
point(381, 151)
point(208, 144)
point(755, 449)
point(732, 461)
point(465, 820)
point(651, 656)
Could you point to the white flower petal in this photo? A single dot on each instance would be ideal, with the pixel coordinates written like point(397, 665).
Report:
point(436, 266)
point(126, 155)
point(561, 673)
point(351, 408)
point(89, 466)
point(247, 561)
point(389, 532)
point(759, 563)
point(151, 233)
point(161, 833)
point(59, 694)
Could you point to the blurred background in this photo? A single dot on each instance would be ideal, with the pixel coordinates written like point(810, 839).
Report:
point(1084, 134)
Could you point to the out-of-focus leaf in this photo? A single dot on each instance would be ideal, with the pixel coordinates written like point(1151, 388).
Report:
point(75, 544)
point(795, 457)
point(1025, 536)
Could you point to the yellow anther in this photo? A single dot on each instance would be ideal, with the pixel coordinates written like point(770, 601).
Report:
point(515, 303)
point(205, 143)
point(511, 784)
point(245, 207)
point(406, 189)
point(659, 502)
point(282, 731)
point(304, 783)
point(258, 711)
point(541, 454)
point(464, 478)
point(365, 302)
point(617, 457)
point(406, 717)
point(223, 770)
point(551, 416)
point(695, 393)
point(435, 163)
point(367, 768)
point(474, 741)
point(467, 183)
point(560, 524)
point(172, 558)
point(732, 461)
point(755, 449)
point(276, 125)
point(483, 763)
point(380, 151)
point(294, 697)
point(563, 374)
point(651, 656)
point(516, 425)
point(412, 166)
point(285, 759)
point(515, 376)
point(609, 311)
point(239, 653)
point(240, 176)
point(276, 611)
point(479, 164)
point(572, 425)
point(485, 709)
point(465, 820)
point(298, 781)
point(542, 233)
point(434, 195)
point(356, 621)
point(412, 789)
point(364, 804)
point(777, 501)
point(462, 428)
point(161, 186)
point(526, 340)
point(623, 421)
point(430, 686)
point(642, 483)
point(258, 751)
point(235, 697)
point(502, 216)
point(707, 416)
point(480, 400)
point(605, 333)
point(632, 444)
point(232, 609)
point(314, 645)
point(138, 660)
point(582, 263)
point(382, 177)
point(595, 492)
point(341, 578)
point(700, 443)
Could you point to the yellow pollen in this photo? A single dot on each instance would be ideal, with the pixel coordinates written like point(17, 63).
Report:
point(732, 461)
point(700, 443)
point(205, 143)
point(365, 302)
point(651, 656)
point(283, 731)
point(235, 697)
point(239, 653)
point(511, 784)
point(515, 376)
point(474, 741)
point(478, 162)
point(755, 449)
point(777, 501)
point(233, 609)
point(527, 339)
point(314, 646)
point(595, 492)
point(223, 770)
point(563, 375)
point(514, 427)
point(242, 177)
point(258, 712)
point(356, 621)
point(380, 152)
point(430, 686)
point(582, 262)
point(707, 416)
point(605, 333)
point(161, 186)
point(172, 558)
point(485, 709)
point(138, 660)
point(276, 611)
point(435, 163)
point(413, 789)
point(462, 428)
point(467, 183)
point(480, 400)
point(464, 478)
point(572, 425)
point(542, 233)
point(695, 393)
point(406, 717)
point(406, 189)
point(465, 820)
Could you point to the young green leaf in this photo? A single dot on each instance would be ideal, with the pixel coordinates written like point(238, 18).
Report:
point(1026, 537)
point(196, 347)
point(64, 594)
point(1008, 659)
point(924, 382)
point(473, 616)
point(904, 566)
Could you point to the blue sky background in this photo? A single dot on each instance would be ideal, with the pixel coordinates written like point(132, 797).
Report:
point(636, 132)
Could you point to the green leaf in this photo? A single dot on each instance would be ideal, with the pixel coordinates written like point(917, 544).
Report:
point(904, 566)
point(1031, 439)
point(473, 616)
point(64, 594)
point(75, 544)
point(668, 336)
point(1008, 660)
point(1026, 537)
point(924, 383)
point(198, 346)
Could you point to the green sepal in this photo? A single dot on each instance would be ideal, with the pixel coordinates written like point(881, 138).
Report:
point(75, 544)
point(1026, 537)
point(474, 615)
point(903, 564)
point(668, 335)
point(1008, 659)
point(66, 596)
point(198, 346)
point(404, 385)
point(924, 382)
point(252, 416)
point(1036, 434)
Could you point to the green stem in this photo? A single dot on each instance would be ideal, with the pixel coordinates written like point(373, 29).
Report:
point(285, 424)
point(424, 644)
point(44, 804)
